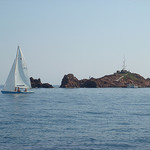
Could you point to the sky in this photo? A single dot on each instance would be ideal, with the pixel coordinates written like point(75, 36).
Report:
point(83, 37)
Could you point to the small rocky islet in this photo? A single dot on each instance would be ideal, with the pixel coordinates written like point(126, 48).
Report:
point(36, 83)
point(121, 79)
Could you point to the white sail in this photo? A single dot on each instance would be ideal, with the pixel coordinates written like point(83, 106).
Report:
point(10, 82)
point(18, 76)
point(21, 72)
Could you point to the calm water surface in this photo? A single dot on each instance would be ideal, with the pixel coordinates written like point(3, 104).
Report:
point(103, 119)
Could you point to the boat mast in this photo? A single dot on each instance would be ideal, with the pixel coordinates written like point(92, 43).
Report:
point(16, 64)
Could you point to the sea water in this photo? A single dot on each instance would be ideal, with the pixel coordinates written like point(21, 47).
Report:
point(98, 118)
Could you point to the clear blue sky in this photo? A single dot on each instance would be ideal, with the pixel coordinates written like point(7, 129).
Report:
point(83, 37)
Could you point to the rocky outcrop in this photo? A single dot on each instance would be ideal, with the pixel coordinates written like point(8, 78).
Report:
point(36, 83)
point(70, 81)
point(119, 79)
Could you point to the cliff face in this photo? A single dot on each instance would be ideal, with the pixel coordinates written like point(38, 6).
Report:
point(36, 83)
point(119, 79)
point(70, 81)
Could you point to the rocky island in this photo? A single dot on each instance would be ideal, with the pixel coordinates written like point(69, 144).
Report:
point(36, 83)
point(120, 79)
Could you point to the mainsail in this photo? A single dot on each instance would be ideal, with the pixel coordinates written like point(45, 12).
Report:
point(18, 76)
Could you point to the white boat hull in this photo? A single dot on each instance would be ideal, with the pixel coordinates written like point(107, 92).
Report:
point(13, 92)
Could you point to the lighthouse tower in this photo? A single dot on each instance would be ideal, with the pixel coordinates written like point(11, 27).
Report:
point(124, 64)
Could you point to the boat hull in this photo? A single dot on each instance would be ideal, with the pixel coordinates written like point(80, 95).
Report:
point(13, 92)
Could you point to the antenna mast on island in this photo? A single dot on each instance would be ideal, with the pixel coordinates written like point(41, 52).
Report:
point(124, 63)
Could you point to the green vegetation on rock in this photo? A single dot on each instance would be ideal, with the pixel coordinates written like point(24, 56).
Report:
point(130, 76)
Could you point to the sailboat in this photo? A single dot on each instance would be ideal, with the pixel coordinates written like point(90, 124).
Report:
point(18, 80)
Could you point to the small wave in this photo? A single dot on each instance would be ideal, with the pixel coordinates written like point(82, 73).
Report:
point(98, 113)
point(118, 145)
point(140, 114)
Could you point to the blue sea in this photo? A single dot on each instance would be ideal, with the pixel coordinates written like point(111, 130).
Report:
point(76, 119)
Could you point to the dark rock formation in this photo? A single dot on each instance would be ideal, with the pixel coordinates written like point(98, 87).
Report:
point(47, 85)
point(118, 79)
point(91, 83)
point(69, 81)
point(36, 83)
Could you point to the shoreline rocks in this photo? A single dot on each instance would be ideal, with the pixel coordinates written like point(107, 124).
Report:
point(36, 83)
